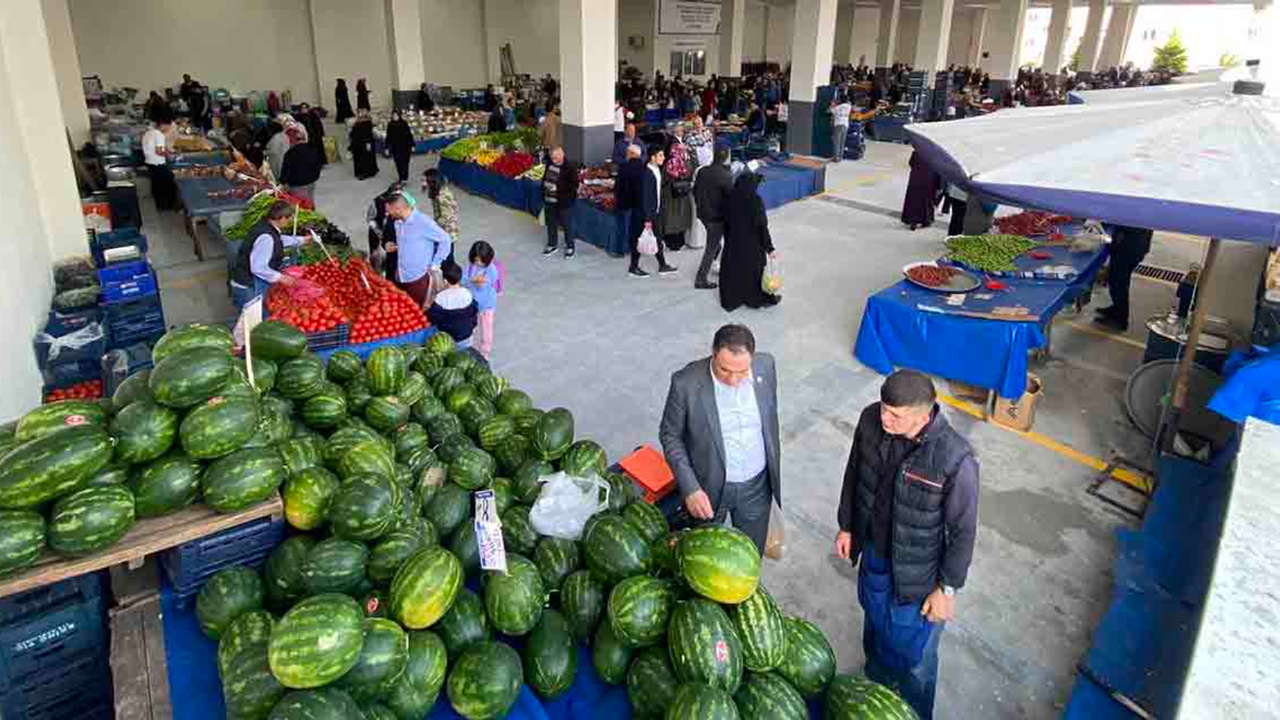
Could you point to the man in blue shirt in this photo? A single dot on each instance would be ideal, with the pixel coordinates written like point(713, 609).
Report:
point(628, 139)
point(421, 248)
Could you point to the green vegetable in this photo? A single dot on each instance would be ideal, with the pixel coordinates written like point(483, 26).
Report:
point(988, 253)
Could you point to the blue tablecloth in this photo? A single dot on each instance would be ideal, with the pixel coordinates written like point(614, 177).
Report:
point(214, 157)
point(787, 183)
point(195, 196)
point(519, 194)
point(598, 227)
point(435, 144)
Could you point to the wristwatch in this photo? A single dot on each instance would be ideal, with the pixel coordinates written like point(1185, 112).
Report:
point(948, 590)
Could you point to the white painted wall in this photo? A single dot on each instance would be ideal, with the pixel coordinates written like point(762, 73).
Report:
point(908, 30)
point(241, 45)
point(866, 31)
point(351, 43)
point(453, 42)
point(778, 34)
point(844, 33)
point(532, 29)
point(753, 34)
point(962, 39)
point(636, 18)
point(66, 67)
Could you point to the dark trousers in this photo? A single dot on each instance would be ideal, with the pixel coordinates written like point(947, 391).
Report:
point(715, 236)
point(558, 217)
point(1125, 258)
point(747, 505)
point(637, 227)
point(402, 167)
point(900, 644)
point(622, 224)
point(163, 187)
point(956, 225)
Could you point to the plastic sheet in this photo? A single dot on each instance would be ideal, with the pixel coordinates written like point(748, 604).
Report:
point(566, 503)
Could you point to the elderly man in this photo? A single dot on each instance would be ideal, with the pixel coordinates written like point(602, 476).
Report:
point(559, 193)
point(719, 433)
point(627, 191)
point(421, 248)
point(909, 511)
point(628, 139)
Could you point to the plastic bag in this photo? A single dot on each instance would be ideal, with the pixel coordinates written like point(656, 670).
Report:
point(566, 503)
point(85, 337)
point(648, 242)
point(775, 544)
point(771, 279)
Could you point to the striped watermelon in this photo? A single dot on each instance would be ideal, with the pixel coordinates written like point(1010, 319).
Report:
point(444, 381)
point(133, 389)
point(143, 431)
point(248, 630)
point(704, 647)
point(242, 479)
point(550, 656)
point(720, 563)
point(300, 453)
point(344, 439)
point(582, 599)
point(343, 365)
point(474, 413)
point(693, 701)
point(511, 454)
point(91, 519)
point(443, 426)
point(556, 558)
point(465, 623)
point(426, 408)
point(448, 508)
point(276, 340)
point(192, 336)
point(37, 471)
point(358, 394)
point(282, 575)
point(413, 389)
point(439, 344)
point(299, 379)
point(249, 690)
point(109, 475)
point(415, 692)
point(527, 482)
point(334, 565)
point(767, 695)
point(392, 551)
point(424, 587)
point(513, 600)
point(809, 662)
point(583, 458)
point(428, 362)
point(21, 538)
point(325, 410)
point(230, 593)
point(503, 497)
point(408, 438)
point(382, 661)
point(610, 656)
point(326, 703)
point(760, 626)
point(495, 432)
point(518, 534)
point(463, 359)
point(647, 519)
point(218, 427)
point(527, 422)
point(490, 386)
point(368, 457)
point(554, 434)
point(615, 551)
point(264, 373)
point(377, 711)
point(463, 545)
point(484, 683)
point(639, 608)
point(512, 402)
point(851, 697)
point(472, 469)
point(453, 446)
point(165, 485)
point(317, 641)
point(387, 368)
point(189, 377)
point(651, 683)
point(307, 496)
point(364, 507)
point(622, 491)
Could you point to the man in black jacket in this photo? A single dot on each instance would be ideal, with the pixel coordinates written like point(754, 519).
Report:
point(626, 190)
point(909, 509)
point(559, 192)
point(301, 167)
point(711, 193)
point(646, 204)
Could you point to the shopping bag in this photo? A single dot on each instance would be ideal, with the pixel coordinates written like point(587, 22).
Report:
point(648, 242)
point(775, 544)
point(565, 503)
point(771, 279)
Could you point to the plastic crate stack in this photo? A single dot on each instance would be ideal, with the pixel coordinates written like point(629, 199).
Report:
point(131, 305)
point(55, 660)
point(188, 566)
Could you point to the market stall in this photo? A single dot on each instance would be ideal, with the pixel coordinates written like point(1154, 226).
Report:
point(432, 131)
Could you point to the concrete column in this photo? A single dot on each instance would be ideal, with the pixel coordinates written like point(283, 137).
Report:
point(887, 44)
point(1117, 39)
point(66, 65)
point(812, 43)
point(764, 36)
point(404, 31)
point(733, 24)
point(845, 52)
point(933, 37)
point(1005, 43)
point(1056, 44)
point(976, 40)
point(588, 70)
point(1091, 43)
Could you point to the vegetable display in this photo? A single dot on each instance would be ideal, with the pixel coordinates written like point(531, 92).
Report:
point(513, 164)
point(307, 220)
point(337, 293)
point(988, 253)
point(932, 275)
point(86, 390)
point(1031, 222)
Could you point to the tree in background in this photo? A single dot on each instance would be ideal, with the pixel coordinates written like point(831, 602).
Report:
point(1228, 60)
point(1171, 57)
point(1074, 65)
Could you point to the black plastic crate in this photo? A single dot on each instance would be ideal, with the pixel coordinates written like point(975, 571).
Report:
point(99, 243)
point(65, 323)
point(90, 351)
point(140, 320)
point(328, 339)
point(61, 375)
point(30, 604)
point(189, 565)
point(79, 688)
point(32, 649)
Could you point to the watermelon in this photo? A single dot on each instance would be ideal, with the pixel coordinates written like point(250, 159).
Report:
point(230, 593)
point(91, 519)
point(283, 573)
point(334, 565)
point(582, 599)
point(556, 558)
point(647, 519)
point(377, 711)
point(237, 385)
point(511, 454)
point(463, 359)
point(464, 546)
point(264, 373)
point(760, 626)
point(851, 697)
point(326, 703)
point(442, 426)
point(704, 647)
point(324, 410)
point(189, 377)
point(639, 608)
point(419, 460)
point(554, 434)
point(445, 380)
point(512, 402)
point(343, 440)
point(218, 427)
point(693, 701)
point(247, 630)
point(408, 438)
point(622, 491)
point(484, 683)
point(426, 408)
point(720, 563)
point(583, 458)
point(424, 587)
point(249, 690)
point(527, 482)
point(364, 507)
point(369, 457)
point(133, 389)
point(518, 534)
point(110, 475)
point(276, 341)
point(495, 432)
point(165, 485)
point(299, 379)
point(300, 453)
point(809, 662)
point(382, 661)
point(448, 508)
point(550, 656)
point(39, 470)
point(439, 344)
point(513, 600)
point(391, 552)
point(195, 335)
point(472, 469)
point(464, 623)
point(663, 551)
point(651, 683)
point(343, 366)
point(614, 550)
point(414, 694)
point(474, 414)
point(308, 494)
point(317, 641)
point(767, 695)
point(413, 389)
point(242, 479)
point(489, 386)
point(610, 656)
point(387, 369)
point(453, 446)
point(358, 394)
point(386, 413)
point(21, 539)
point(143, 431)
point(527, 421)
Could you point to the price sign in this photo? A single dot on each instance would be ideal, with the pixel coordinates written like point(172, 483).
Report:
point(493, 554)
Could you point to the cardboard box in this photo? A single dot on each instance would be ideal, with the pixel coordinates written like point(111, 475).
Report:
point(1019, 414)
point(97, 216)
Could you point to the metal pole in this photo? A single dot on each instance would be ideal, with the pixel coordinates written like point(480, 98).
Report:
point(1193, 343)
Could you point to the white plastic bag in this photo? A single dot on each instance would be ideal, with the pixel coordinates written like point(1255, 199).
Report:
point(565, 503)
point(648, 242)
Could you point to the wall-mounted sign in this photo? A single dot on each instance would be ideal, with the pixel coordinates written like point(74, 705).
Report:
point(689, 17)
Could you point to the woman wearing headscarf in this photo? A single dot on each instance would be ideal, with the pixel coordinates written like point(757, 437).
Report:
point(400, 143)
point(277, 145)
point(315, 128)
point(342, 102)
point(362, 95)
point(301, 167)
point(923, 189)
point(676, 214)
point(444, 206)
point(363, 161)
point(747, 246)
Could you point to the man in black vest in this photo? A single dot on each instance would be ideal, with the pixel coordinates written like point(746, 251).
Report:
point(261, 255)
point(909, 509)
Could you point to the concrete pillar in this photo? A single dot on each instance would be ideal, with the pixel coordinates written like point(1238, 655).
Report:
point(1005, 43)
point(846, 46)
point(933, 37)
point(733, 25)
point(976, 40)
point(1091, 43)
point(764, 36)
point(1059, 23)
point(404, 33)
point(1117, 38)
point(812, 43)
point(66, 65)
point(887, 45)
point(588, 70)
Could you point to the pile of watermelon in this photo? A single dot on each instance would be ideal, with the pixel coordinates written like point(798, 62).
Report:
point(366, 607)
point(352, 293)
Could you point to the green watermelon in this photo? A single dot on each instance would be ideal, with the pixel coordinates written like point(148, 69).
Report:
point(334, 565)
point(133, 389)
point(694, 701)
point(453, 446)
point(392, 551)
point(413, 389)
point(651, 683)
point(89, 520)
point(464, 623)
point(277, 341)
point(495, 432)
point(463, 545)
point(550, 656)
point(344, 439)
point(766, 695)
point(528, 480)
point(614, 550)
point(556, 558)
point(446, 379)
point(462, 359)
point(582, 599)
point(852, 697)
point(449, 508)
point(610, 656)
point(370, 457)
point(51, 466)
point(720, 563)
point(283, 573)
point(189, 377)
point(472, 469)
point(165, 485)
point(408, 438)
point(458, 397)
point(512, 402)
point(639, 608)
point(299, 379)
point(424, 587)
point(419, 460)
point(428, 362)
point(218, 427)
point(247, 630)
point(326, 703)
point(249, 689)
point(647, 519)
point(410, 351)
point(513, 600)
point(300, 453)
point(382, 661)
point(474, 414)
point(317, 641)
point(414, 694)
point(760, 626)
point(503, 497)
point(264, 373)
point(583, 458)
point(665, 560)
point(377, 711)
point(484, 683)
point(439, 344)
point(511, 454)
point(554, 434)
point(387, 369)
point(110, 475)
point(21, 539)
point(386, 413)
point(237, 384)
point(426, 408)
point(230, 593)
point(195, 335)
point(242, 479)
point(489, 386)
point(527, 422)
point(622, 491)
point(308, 494)
point(704, 647)
point(364, 507)
point(343, 365)
point(358, 394)
point(518, 534)
point(324, 410)
point(442, 426)
point(143, 431)
point(809, 662)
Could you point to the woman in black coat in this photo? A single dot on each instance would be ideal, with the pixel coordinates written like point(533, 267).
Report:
point(342, 102)
point(747, 245)
point(400, 143)
point(363, 162)
point(362, 95)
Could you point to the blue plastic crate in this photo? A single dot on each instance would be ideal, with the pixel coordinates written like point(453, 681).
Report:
point(78, 687)
point(134, 321)
point(190, 564)
point(88, 352)
point(27, 605)
point(127, 281)
point(50, 639)
point(60, 323)
point(124, 237)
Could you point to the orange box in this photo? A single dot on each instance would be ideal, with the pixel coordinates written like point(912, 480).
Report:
point(97, 216)
point(648, 469)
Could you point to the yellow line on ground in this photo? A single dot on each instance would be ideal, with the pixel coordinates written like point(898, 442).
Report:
point(196, 279)
point(1137, 481)
point(1102, 333)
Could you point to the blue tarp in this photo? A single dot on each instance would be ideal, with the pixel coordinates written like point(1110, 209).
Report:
point(1252, 387)
point(519, 194)
point(364, 350)
point(195, 196)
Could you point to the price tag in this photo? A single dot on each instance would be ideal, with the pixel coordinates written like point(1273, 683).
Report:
point(955, 300)
point(250, 318)
point(493, 554)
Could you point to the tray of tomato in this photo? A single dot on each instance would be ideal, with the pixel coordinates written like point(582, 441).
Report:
point(365, 305)
point(87, 390)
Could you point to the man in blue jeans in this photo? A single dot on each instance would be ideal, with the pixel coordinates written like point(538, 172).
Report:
point(909, 511)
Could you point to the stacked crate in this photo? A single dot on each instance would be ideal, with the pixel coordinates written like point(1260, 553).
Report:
point(188, 566)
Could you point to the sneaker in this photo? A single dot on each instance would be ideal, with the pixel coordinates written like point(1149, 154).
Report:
point(548, 249)
point(637, 272)
point(668, 270)
point(568, 253)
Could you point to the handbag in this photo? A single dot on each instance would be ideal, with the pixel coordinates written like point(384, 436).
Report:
point(648, 242)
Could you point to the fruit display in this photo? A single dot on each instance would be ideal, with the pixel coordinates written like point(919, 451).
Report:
point(338, 293)
point(482, 148)
point(988, 253)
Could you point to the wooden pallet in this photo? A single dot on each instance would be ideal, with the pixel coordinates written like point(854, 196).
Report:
point(139, 670)
point(144, 538)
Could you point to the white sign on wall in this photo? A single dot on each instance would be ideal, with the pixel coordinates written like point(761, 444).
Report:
point(689, 17)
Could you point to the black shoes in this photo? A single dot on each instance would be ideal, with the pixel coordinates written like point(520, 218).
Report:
point(704, 285)
point(1111, 322)
point(637, 273)
point(568, 253)
point(549, 250)
point(668, 270)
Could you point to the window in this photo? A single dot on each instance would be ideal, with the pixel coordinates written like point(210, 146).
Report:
point(688, 62)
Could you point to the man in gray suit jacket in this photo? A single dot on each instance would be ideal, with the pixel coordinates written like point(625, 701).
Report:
point(720, 434)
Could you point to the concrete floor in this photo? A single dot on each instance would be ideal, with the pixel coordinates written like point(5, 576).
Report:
point(582, 334)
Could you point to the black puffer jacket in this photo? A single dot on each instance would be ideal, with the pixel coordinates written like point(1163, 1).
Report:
point(711, 191)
